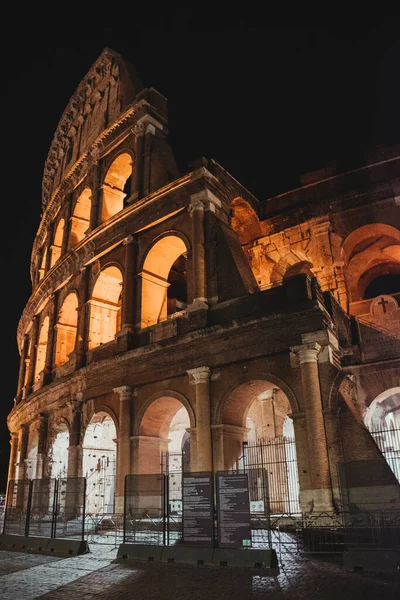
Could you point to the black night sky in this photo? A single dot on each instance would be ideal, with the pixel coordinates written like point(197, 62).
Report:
point(269, 104)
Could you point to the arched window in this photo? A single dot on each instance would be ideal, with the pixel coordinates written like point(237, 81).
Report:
point(105, 307)
point(164, 289)
point(57, 243)
point(41, 348)
point(80, 218)
point(42, 268)
point(66, 329)
point(116, 186)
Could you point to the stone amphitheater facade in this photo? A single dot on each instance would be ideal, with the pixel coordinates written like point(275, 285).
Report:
point(164, 298)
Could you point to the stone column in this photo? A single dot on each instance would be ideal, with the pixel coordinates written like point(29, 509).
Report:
point(94, 207)
point(200, 378)
point(23, 437)
point(67, 227)
point(198, 259)
point(82, 325)
point(13, 456)
point(33, 350)
point(128, 300)
point(49, 245)
point(74, 468)
point(321, 492)
point(73, 494)
point(22, 367)
point(48, 365)
point(137, 191)
point(125, 393)
point(41, 460)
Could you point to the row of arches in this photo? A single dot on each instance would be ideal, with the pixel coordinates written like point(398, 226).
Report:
point(164, 292)
point(115, 188)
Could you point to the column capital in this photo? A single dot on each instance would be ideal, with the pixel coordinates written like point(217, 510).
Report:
point(125, 392)
point(199, 375)
point(204, 200)
point(307, 353)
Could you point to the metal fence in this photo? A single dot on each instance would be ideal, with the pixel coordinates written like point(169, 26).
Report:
point(46, 508)
point(273, 477)
point(388, 442)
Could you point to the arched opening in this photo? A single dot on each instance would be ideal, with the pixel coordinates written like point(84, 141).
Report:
point(98, 466)
point(382, 418)
point(42, 268)
point(66, 329)
point(372, 253)
point(383, 284)
point(105, 307)
point(57, 243)
point(164, 280)
point(257, 435)
point(300, 267)
point(116, 186)
point(32, 455)
point(41, 348)
point(164, 445)
point(80, 218)
point(244, 221)
point(58, 454)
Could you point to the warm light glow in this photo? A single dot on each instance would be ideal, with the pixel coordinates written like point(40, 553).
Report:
point(80, 218)
point(41, 348)
point(57, 243)
point(114, 188)
point(66, 329)
point(105, 307)
point(155, 284)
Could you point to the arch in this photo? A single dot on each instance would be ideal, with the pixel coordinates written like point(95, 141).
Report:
point(58, 451)
point(66, 328)
point(292, 263)
point(159, 395)
point(244, 221)
point(108, 411)
point(385, 403)
point(99, 462)
point(32, 454)
point(105, 307)
point(163, 425)
point(370, 252)
point(42, 268)
point(57, 242)
point(116, 186)
point(41, 348)
point(80, 219)
point(272, 379)
point(377, 271)
point(253, 423)
point(164, 267)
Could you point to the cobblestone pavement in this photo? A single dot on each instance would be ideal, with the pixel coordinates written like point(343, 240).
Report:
point(98, 575)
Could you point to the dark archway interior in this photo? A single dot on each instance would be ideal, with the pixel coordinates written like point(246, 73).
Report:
point(384, 284)
point(177, 291)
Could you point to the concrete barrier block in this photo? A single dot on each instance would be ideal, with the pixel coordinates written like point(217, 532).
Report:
point(382, 560)
point(247, 557)
point(41, 545)
point(140, 552)
point(192, 555)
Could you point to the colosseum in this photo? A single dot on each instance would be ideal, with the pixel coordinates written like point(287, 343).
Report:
point(177, 322)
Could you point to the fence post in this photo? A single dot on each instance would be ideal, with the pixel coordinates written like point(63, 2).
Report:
point(125, 494)
point(6, 504)
point(163, 505)
point(55, 509)
point(28, 508)
point(84, 509)
point(266, 495)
